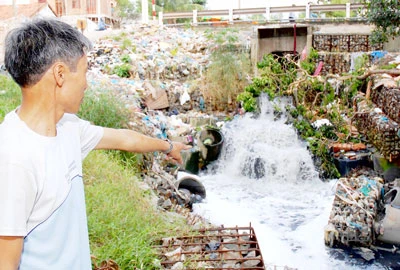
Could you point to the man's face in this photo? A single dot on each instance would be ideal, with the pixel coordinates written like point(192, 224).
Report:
point(75, 86)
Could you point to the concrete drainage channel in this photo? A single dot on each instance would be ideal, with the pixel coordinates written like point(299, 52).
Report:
point(212, 248)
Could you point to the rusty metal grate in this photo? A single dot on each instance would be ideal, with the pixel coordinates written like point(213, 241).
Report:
point(212, 248)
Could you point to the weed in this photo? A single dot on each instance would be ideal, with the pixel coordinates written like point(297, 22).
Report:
point(226, 76)
point(126, 44)
point(126, 59)
point(103, 109)
point(122, 71)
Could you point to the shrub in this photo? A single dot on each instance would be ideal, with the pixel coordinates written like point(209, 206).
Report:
point(226, 76)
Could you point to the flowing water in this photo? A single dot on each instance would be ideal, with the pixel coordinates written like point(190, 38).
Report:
point(265, 178)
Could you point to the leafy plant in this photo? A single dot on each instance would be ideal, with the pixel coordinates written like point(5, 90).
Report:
point(248, 101)
point(319, 148)
point(126, 59)
point(122, 71)
point(309, 64)
point(304, 128)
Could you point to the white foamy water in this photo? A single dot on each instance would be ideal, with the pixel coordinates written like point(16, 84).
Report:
point(265, 178)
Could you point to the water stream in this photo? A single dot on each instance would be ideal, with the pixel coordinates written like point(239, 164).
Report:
point(265, 178)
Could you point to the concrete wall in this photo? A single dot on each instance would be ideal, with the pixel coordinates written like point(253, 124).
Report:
point(393, 45)
point(280, 39)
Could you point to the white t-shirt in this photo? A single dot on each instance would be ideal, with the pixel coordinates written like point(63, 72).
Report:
point(41, 191)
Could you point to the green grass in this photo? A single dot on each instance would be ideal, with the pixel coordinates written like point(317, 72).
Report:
point(122, 220)
point(10, 95)
point(123, 224)
point(104, 109)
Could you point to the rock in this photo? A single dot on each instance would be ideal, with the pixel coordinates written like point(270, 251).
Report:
point(365, 253)
point(167, 204)
point(178, 266)
point(391, 174)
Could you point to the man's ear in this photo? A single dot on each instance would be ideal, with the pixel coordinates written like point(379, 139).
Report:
point(59, 70)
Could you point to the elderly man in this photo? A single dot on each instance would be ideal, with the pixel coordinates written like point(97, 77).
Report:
point(43, 221)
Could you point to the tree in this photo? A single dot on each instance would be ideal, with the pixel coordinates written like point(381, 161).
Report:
point(169, 5)
point(124, 9)
point(200, 2)
point(179, 5)
point(385, 15)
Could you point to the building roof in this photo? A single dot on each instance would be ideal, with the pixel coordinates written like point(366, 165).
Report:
point(29, 10)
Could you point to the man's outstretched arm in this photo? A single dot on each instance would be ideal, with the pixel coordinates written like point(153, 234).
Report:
point(10, 252)
point(132, 141)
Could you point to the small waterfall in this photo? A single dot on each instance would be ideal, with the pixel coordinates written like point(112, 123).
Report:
point(265, 177)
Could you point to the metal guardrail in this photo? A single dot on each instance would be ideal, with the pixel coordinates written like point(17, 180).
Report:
point(308, 9)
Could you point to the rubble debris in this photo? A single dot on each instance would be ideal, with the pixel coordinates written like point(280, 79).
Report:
point(380, 130)
point(354, 211)
point(365, 214)
point(388, 99)
point(160, 65)
point(348, 156)
point(366, 253)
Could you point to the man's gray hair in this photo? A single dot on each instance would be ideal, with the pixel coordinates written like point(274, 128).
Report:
point(31, 49)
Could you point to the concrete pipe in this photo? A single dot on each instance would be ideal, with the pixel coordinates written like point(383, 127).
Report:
point(187, 182)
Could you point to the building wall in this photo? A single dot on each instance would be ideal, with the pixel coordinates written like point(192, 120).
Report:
point(75, 7)
point(18, 2)
point(82, 7)
point(85, 7)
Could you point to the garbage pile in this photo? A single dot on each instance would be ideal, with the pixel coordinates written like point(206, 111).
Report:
point(154, 52)
point(348, 156)
point(365, 214)
point(162, 175)
point(354, 211)
point(156, 64)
